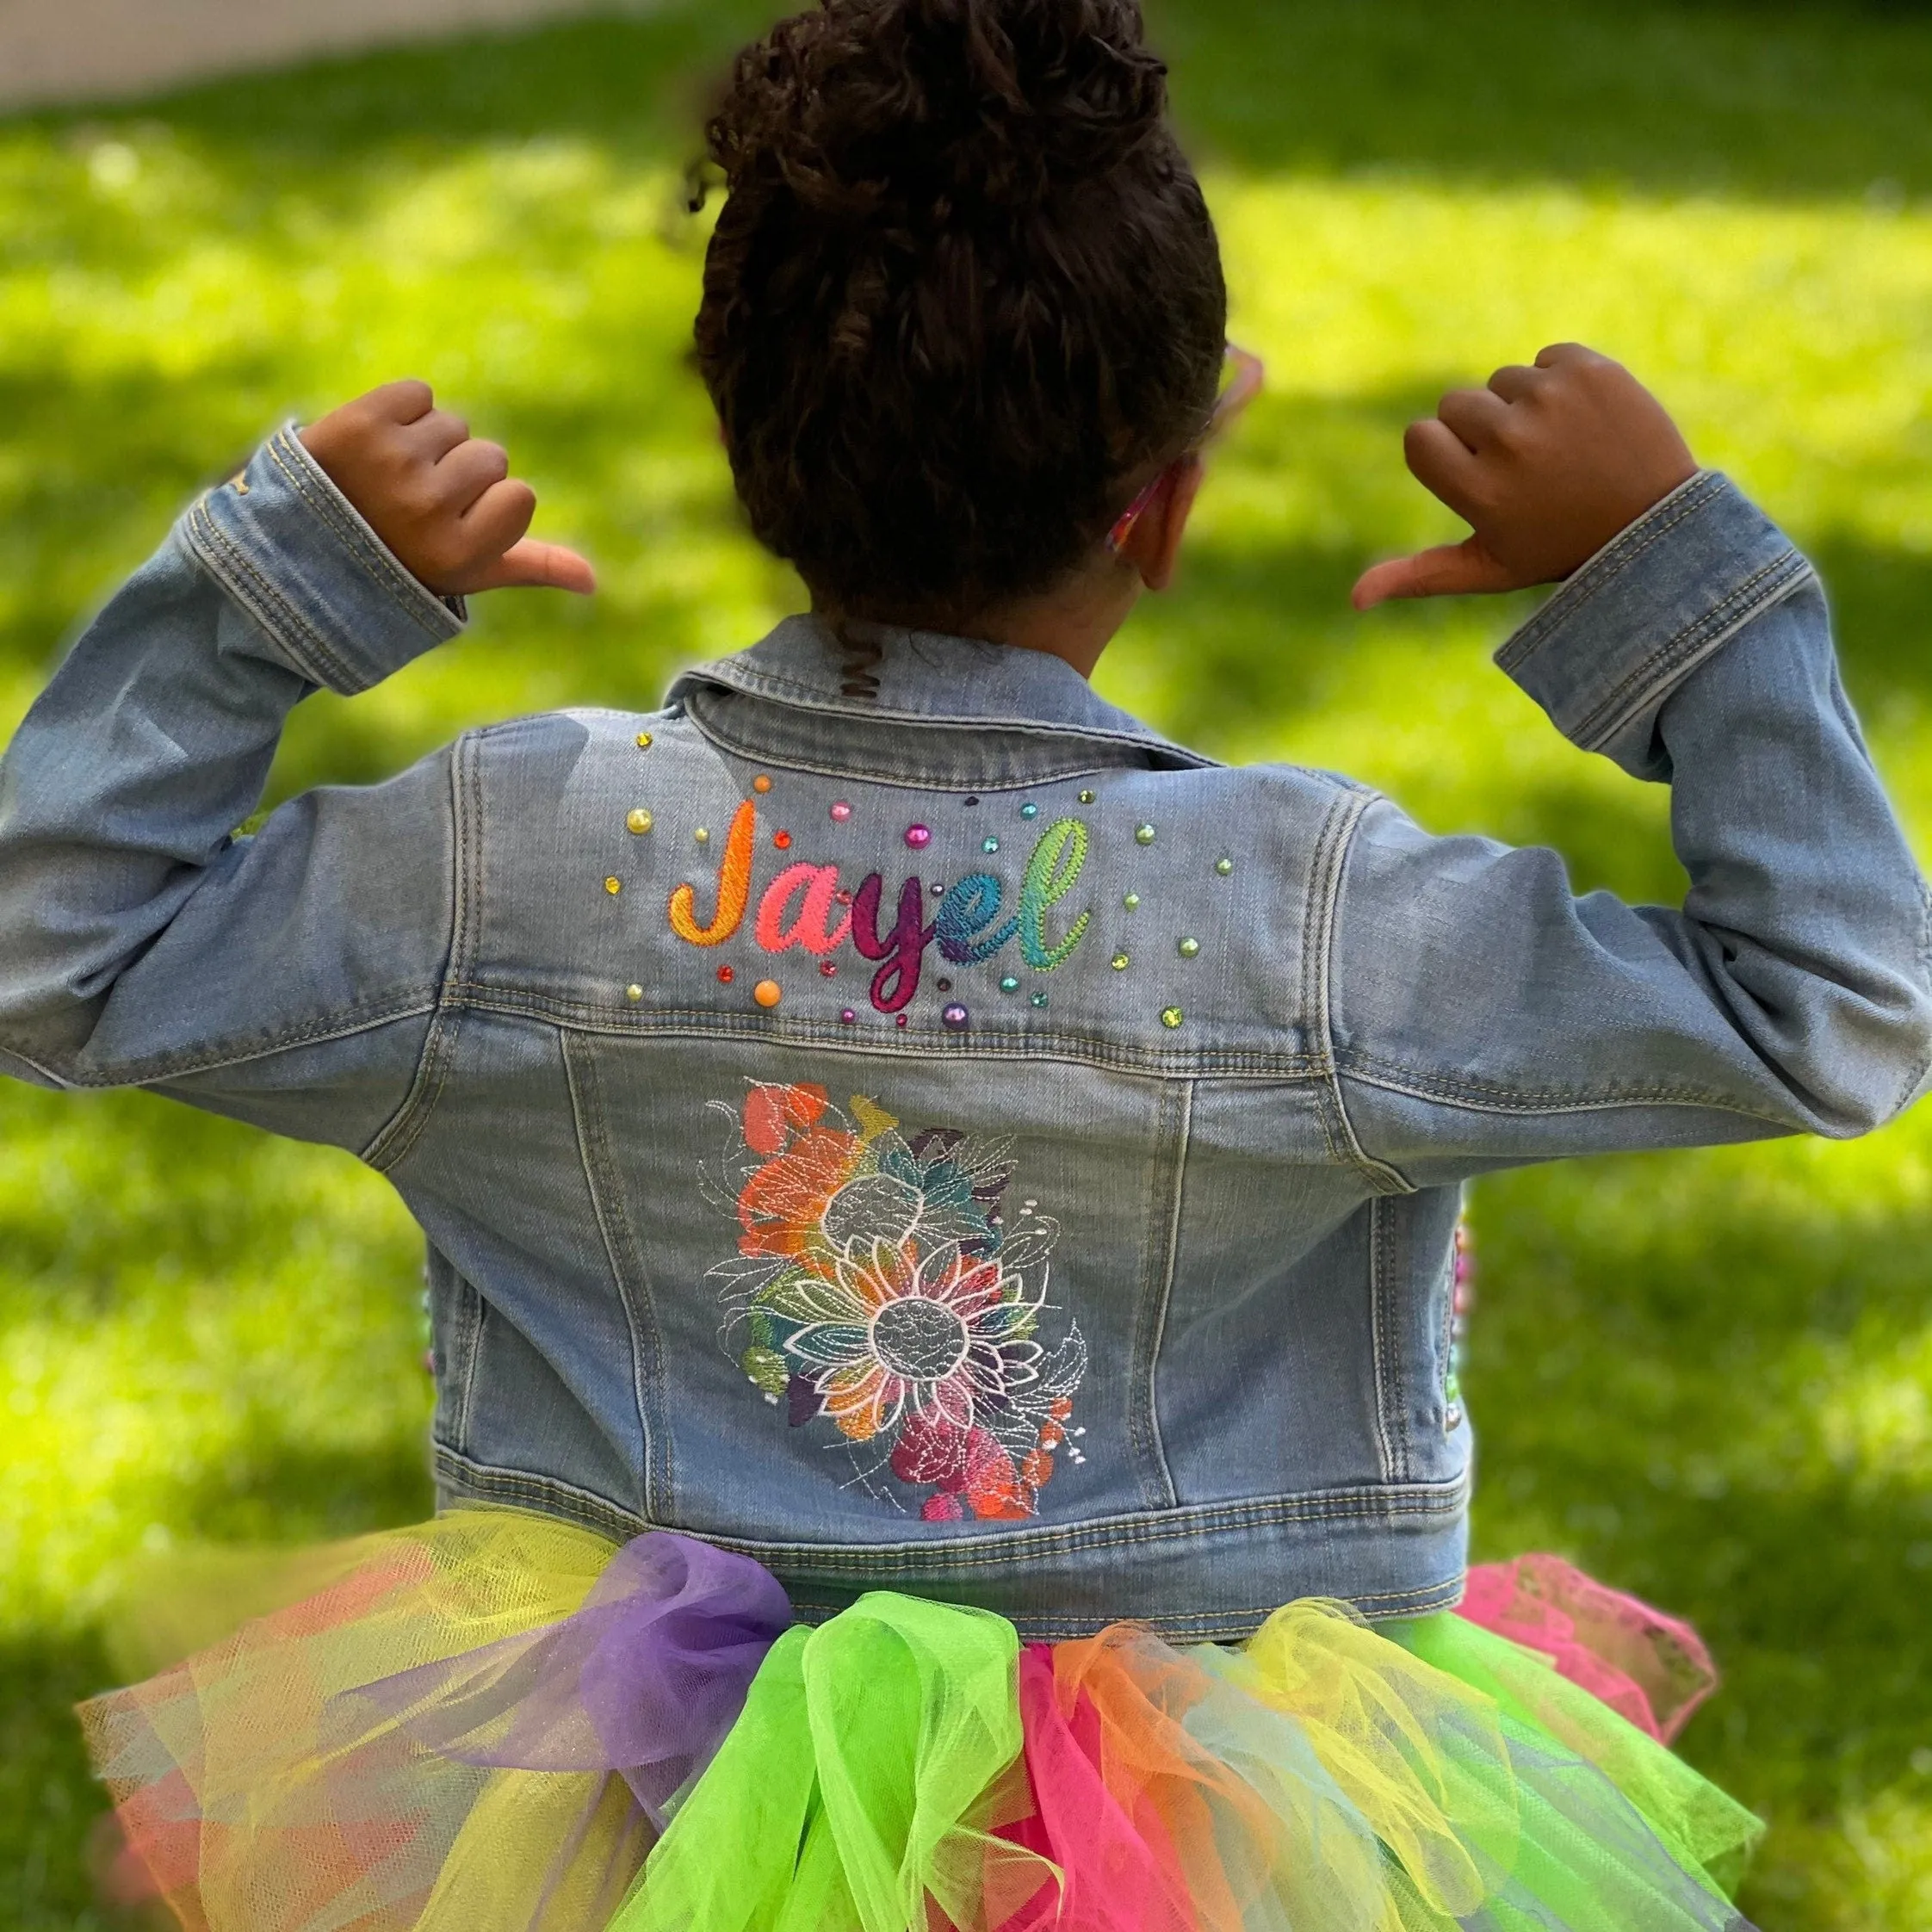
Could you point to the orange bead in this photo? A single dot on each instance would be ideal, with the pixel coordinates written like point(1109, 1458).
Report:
point(761, 782)
point(767, 992)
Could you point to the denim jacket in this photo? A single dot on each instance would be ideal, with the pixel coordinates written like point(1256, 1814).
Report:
point(892, 1114)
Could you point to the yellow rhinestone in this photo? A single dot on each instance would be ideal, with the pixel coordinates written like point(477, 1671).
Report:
point(1087, 797)
point(1189, 948)
point(1118, 962)
point(1223, 866)
point(1143, 834)
point(643, 740)
point(613, 885)
point(1170, 1016)
point(634, 993)
point(638, 819)
point(703, 836)
point(1132, 901)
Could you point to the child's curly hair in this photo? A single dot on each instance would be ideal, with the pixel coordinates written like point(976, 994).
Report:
point(962, 295)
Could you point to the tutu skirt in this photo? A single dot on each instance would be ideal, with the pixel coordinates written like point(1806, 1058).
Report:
point(501, 1723)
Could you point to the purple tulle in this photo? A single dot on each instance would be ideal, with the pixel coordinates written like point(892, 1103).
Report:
point(645, 1679)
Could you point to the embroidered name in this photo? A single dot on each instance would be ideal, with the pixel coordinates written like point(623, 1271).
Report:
point(803, 905)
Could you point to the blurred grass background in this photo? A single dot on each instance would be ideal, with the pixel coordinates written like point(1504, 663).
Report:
point(1708, 1377)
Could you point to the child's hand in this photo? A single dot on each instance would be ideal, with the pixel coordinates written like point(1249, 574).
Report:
point(443, 500)
point(1546, 465)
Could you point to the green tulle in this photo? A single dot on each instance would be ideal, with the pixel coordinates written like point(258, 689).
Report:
point(1705, 1830)
point(873, 1759)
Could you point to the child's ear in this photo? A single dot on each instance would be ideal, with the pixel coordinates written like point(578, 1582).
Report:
point(1153, 545)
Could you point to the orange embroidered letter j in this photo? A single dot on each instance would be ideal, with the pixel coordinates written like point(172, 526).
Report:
point(734, 887)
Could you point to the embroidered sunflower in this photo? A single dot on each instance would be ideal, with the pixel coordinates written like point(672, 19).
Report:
point(880, 1287)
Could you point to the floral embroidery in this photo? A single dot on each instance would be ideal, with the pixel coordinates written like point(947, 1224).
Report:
point(882, 1286)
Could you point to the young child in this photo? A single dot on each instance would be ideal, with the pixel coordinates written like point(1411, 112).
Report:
point(941, 1201)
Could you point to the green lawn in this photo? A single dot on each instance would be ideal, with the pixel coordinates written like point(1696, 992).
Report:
point(1708, 1377)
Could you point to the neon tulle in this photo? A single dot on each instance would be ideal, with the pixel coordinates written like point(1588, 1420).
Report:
point(1651, 1668)
point(472, 1727)
point(497, 1721)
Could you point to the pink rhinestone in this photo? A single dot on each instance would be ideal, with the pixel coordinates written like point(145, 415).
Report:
point(841, 811)
point(847, 1017)
point(918, 836)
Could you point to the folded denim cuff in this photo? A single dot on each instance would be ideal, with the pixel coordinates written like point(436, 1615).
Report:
point(292, 551)
point(1622, 632)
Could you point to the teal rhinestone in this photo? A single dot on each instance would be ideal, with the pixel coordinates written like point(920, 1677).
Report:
point(989, 844)
point(1030, 811)
point(1038, 998)
point(1009, 984)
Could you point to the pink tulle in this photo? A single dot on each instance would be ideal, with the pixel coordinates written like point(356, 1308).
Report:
point(1121, 1873)
point(1647, 1667)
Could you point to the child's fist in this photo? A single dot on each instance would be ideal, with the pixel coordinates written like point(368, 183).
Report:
point(441, 499)
point(1545, 465)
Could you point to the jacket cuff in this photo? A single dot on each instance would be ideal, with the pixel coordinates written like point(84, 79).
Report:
point(290, 548)
point(1622, 632)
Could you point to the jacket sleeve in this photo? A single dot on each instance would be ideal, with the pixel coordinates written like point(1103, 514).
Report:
point(1484, 1015)
point(288, 977)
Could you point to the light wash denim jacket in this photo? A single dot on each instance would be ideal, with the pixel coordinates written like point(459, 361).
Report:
point(889, 1111)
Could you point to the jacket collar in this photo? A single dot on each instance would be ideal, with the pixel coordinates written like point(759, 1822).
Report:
point(921, 679)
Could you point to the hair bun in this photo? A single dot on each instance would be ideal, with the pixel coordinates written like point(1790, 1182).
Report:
point(922, 110)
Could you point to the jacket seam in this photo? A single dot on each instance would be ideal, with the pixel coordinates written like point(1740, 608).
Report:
point(620, 1248)
point(1319, 943)
point(1495, 1099)
point(309, 651)
point(147, 1072)
point(1597, 575)
point(698, 1023)
point(1164, 1245)
point(399, 1138)
point(1667, 666)
point(1366, 1504)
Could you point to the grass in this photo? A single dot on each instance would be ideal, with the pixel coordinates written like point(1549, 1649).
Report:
point(1708, 1377)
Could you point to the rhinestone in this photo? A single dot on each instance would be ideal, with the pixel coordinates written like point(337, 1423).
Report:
point(613, 885)
point(1188, 948)
point(634, 993)
point(767, 992)
point(762, 783)
point(726, 975)
point(1223, 866)
point(1118, 962)
point(1030, 810)
point(989, 843)
point(1087, 797)
point(703, 835)
point(902, 1021)
point(643, 740)
point(638, 819)
point(954, 1016)
point(847, 1017)
point(944, 986)
point(1132, 901)
point(827, 968)
point(1009, 984)
point(781, 840)
point(974, 800)
point(840, 811)
point(1143, 834)
point(938, 888)
point(918, 837)
point(1170, 1016)
point(1038, 998)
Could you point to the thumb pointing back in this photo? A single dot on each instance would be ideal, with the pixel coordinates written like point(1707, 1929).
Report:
point(1449, 570)
point(535, 566)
